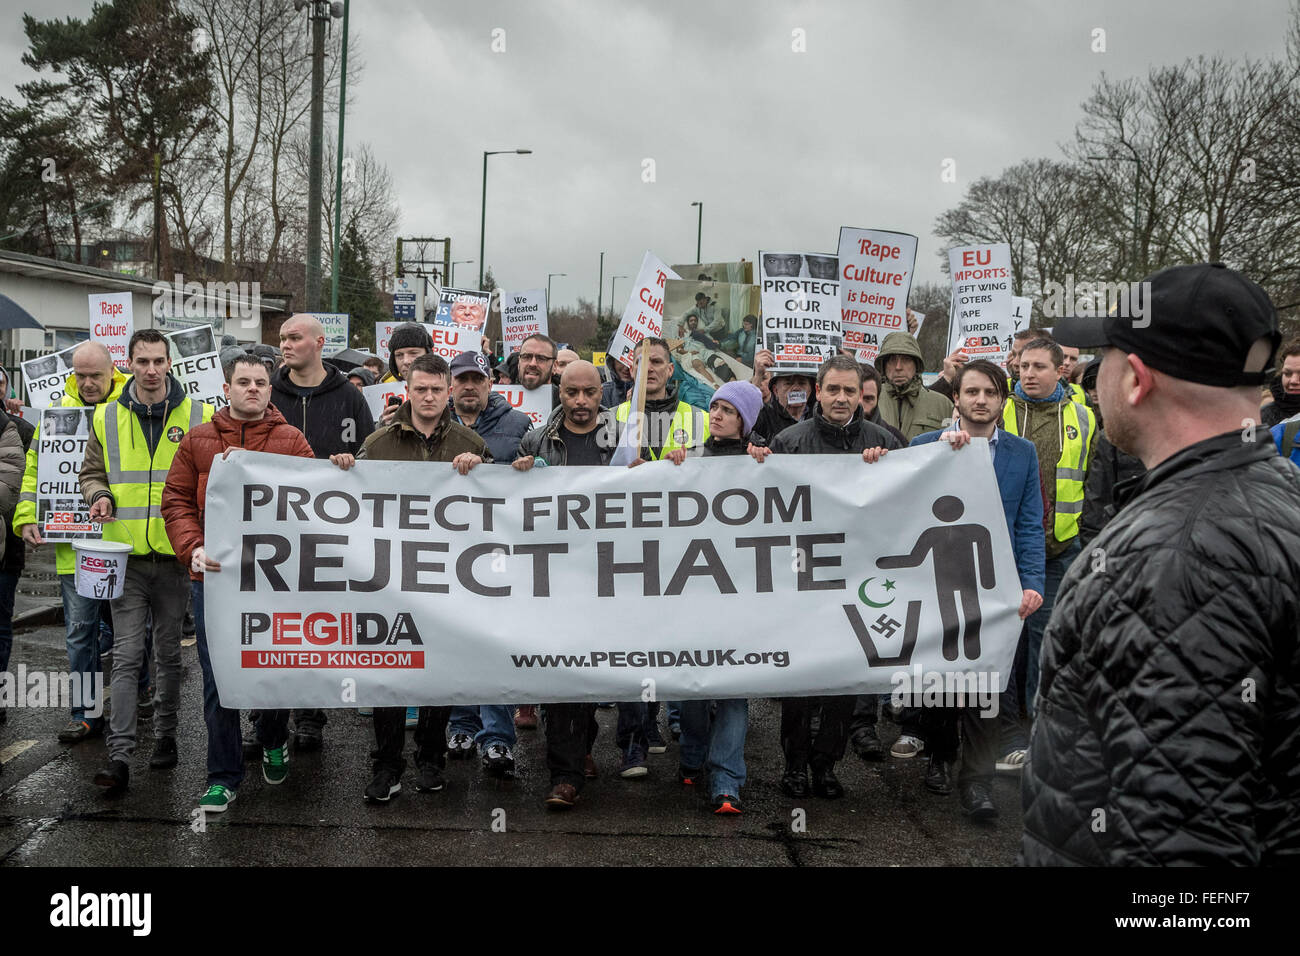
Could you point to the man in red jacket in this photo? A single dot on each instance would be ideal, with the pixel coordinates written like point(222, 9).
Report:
point(250, 422)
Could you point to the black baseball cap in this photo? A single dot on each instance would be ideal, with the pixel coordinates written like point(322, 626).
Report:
point(471, 361)
point(1198, 323)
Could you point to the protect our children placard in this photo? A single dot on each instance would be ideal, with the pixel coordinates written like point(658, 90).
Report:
point(801, 309)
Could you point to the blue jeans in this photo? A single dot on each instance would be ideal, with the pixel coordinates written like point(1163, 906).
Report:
point(633, 718)
point(488, 724)
point(1056, 568)
point(717, 742)
point(8, 585)
point(225, 742)
point(81, 623)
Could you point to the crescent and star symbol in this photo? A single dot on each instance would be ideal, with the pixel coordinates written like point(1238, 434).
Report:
point(862, 593)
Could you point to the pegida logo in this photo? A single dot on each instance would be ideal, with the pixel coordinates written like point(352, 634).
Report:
point(175, 433)
point(292, 635)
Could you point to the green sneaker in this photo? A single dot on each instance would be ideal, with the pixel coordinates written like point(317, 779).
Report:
point(216, 799)
point(275, 764)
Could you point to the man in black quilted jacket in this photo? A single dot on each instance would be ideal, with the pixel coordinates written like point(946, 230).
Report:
point(1168, 722)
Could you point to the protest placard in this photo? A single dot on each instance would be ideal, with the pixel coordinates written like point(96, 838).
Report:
point(876, 267)
point(112, 321)
point(61, 513)
point(45, 377)
point(408, 299)
point(712, 329)
point(447, 342)
point(459, 321)
point(426, 587)
point(522, 314)
point(196, 363)
point(644, 313)
point(378, 397)
point(801, 309)
point(741, 272)
point(980, 321)
point(335, 325)
point(536, 403)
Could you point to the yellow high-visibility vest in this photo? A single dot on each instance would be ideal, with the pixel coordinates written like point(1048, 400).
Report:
point(136, 477)
point(689, 428)
point(1077, 426)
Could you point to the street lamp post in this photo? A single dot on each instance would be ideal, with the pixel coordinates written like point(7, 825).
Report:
point(612, 280)
point(549, 276)
point(482, 225)
point(451, 280)
point(338, 171)
point(600, 286)
point(319, 14)
point(699, 229)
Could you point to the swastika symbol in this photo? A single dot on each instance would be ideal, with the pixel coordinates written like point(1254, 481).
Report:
point(886, 625)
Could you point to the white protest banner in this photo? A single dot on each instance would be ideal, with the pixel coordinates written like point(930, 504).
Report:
point(522, 314)
point(408, 299)
point(112, 321)
point(424, 586)
point(335, 325)
point(61, 512)
point(644, 313)
point(876, 268)
point(196, 363)
point(920, 321)
point(447, 342)
point(536, 403)
point(980, 316)
point(801, 309)
point(378, 396)
point(45, 377)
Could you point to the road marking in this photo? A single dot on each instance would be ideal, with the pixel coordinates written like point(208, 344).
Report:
point(14, 749)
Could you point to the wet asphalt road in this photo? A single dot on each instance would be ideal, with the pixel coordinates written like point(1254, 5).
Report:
point(52, 815)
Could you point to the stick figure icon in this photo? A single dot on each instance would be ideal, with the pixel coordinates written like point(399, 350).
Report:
point(957, 550)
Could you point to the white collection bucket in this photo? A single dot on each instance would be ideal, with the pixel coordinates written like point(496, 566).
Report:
point(101, 568)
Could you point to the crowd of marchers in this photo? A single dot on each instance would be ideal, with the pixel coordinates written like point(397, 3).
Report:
point(1155, 530)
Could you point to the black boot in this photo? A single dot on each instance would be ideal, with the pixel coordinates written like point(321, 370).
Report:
point(977, 802)
point(938, 779)
point(114, 778)
point(794, 783)
point(824, 782)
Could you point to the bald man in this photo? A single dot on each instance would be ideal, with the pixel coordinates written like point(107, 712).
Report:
point(94, 380)
point(318, 400)
point(563, 358)
point(580, 432)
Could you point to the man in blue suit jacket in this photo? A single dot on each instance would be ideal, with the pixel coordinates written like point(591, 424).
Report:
point(980, 391)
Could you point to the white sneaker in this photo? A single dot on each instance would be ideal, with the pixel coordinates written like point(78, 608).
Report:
point(1013, 762)
point(906, 746)
point(460, 746)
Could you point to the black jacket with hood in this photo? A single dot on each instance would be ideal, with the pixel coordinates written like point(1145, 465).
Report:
point(333, 415)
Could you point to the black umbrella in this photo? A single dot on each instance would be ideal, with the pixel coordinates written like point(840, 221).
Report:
point(14, 316)
point(349, 359)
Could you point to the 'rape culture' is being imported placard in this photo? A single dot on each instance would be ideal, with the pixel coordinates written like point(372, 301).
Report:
point(409, 583)
point(876, 268)
point(644, 314)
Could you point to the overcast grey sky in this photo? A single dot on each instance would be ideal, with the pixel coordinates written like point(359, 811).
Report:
point(782, 147)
